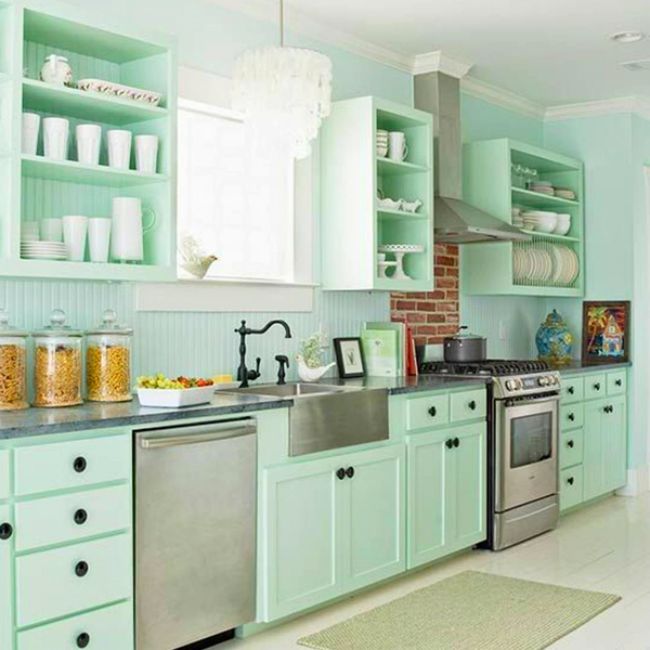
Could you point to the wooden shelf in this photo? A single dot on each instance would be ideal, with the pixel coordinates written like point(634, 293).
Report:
point(388, 167)
point(73, 172)
point(539, 200)
point(550, 236)
point(86, 105)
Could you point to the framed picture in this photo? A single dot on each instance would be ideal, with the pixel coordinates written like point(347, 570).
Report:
point(349, 358)
point(605, 332)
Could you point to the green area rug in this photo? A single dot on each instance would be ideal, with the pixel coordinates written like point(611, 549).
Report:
point(469, 611)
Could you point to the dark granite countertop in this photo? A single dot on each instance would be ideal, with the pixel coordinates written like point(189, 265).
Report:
point(576, 367)
point(95, 415)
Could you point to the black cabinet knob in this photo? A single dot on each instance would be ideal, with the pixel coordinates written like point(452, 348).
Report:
point(570, 444)
point(80, 517)
point(81, 569)
point(340, 473)
point(608, 409)
point(433, 411)
point(6, 531)
point(80, 464)
point(350, 472)
point(597, 386)
point(570, 390)
point(611, 408)
point(571, 417)
point(570, 480)
point(83, 640)
point(472, 405)
point(619, 382)
point(449, 443)
point(456, 442)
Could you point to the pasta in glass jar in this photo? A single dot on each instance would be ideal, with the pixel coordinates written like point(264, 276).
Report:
point(13, 380)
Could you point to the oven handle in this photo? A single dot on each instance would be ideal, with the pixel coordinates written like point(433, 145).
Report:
point(527, 402)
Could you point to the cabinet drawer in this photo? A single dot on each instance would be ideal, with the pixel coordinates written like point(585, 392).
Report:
point(572, 389)
point(426, 412)
point(57, 583)
point(4, 474)
point(468, 405)
point(595, 386)
point(571, 493)
point(571, 448)
point(105, 629)
point(68, 518)
point(616, 383)
point(571, 416)
point(72, 464)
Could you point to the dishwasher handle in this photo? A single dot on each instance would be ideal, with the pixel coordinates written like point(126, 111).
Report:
point(161, 438)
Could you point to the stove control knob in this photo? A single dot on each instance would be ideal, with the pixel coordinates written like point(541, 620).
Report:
point(512, 384)
point(544, 381)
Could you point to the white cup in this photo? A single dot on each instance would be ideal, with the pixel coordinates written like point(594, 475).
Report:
point(31, 126)
point(127, 236)
point(55, 137)
point(51, 230)
point(29, 231)
point(89, 140)
point(119, 148)
point(146, 153)
point(397, 149)
point(75, 229)
point(99, 235)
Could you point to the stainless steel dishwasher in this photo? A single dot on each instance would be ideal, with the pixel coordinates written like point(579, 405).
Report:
point(195, 510)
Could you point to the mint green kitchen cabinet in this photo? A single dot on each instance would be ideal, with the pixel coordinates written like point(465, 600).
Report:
point(593, 436)
point(6, 580)
point(331, 526)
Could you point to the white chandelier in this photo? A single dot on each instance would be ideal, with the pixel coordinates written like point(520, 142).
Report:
point(284, 93)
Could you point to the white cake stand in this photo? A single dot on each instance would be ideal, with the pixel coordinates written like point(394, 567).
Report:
point(399, 251)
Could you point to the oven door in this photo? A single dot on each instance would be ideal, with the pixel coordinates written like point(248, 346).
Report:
point(526, 449)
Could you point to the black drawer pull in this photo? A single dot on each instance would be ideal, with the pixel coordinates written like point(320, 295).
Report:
point(570, 480)
point(570, 444)
point(80, 517)
point(619, 382)
point(456, 442)
point(449, 443)
point(597, 386)
point(83, 640)
point(340, 473)
point(350, 472)
point(6, 531)
point(571, 417)
point(80, 464)
point(472, 405)
point(81, 569)
point(570, 390)
point(433, 411)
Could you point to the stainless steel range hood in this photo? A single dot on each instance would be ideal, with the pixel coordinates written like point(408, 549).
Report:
point(456, 222)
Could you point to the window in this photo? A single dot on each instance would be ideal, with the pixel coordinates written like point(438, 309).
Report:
point(237, 208)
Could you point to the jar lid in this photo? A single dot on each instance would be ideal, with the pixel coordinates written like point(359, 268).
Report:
point(6, 329)
point(109, 325)
point(57, 326)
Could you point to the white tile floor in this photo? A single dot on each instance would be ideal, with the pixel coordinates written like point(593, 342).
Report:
point(603, 547)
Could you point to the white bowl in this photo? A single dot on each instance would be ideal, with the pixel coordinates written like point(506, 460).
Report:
point(175, 397)
point(562, 228)
point(382, 152)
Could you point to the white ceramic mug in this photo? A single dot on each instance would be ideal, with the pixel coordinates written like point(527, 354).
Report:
point(89, 140)
point(397, 149)
point(99, 236)
point(55, 137)
point(146, 153)
point(75, 229)
point(51, 230)
point(119, 148)
point(127, 240)
point(31, 126)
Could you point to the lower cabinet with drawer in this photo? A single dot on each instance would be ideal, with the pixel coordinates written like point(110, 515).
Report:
point(66, 546)
point(593, 436)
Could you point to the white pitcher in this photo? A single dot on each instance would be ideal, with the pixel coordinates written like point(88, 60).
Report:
point(127, 229)
point(56, 70)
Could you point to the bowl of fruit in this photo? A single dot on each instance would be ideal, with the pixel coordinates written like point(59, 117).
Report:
point(158, 390)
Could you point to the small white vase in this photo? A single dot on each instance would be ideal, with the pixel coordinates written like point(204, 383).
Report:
point(308, 374)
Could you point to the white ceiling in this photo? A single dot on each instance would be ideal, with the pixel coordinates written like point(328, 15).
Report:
point(552, 52)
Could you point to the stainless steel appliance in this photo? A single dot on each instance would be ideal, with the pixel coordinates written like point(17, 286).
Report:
point(464, 347)
point(523, 486)
point(195, 540)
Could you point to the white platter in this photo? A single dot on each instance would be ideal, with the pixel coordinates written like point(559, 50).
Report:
point(120, 90)
point(175, 398)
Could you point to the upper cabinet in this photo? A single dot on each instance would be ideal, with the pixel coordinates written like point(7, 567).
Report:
point(498, 175)
point(377, 204)
point(36, 187)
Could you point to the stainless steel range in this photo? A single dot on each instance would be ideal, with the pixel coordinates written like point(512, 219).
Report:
point(523, 486)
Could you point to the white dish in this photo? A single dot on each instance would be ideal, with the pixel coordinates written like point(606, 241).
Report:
point(120, 90)
point(401, 248)
point(175, 398)
point(389, 204)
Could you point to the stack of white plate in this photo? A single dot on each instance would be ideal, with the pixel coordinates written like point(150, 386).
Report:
point(565, 193)
point(540, 220)
point(549, 265)
point(542, 187)
point(43, 250)
point(382, 143)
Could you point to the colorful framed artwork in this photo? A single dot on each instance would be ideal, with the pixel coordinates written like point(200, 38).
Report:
point(605, 332)
point(349, 358)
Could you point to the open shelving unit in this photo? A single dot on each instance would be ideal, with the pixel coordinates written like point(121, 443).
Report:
point(38, 187)
point(352, 176)
point(487, 269)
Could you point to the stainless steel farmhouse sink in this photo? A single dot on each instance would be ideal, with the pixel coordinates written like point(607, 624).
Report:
point(328, 417)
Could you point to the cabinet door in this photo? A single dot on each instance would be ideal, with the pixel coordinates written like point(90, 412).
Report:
point(426, 455)
point(614, 432)
point(373, 517)
point(465, 487)
point(299, 565)
point(6, 609)
point(593, 484)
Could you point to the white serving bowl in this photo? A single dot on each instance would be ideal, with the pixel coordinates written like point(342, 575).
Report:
point(562, 228)
point(175, 397)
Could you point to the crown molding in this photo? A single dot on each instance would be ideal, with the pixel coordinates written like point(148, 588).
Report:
point(437, 61)
point(635, 105)
point(501, 97)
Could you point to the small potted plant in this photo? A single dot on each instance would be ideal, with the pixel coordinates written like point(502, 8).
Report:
point(310, 358)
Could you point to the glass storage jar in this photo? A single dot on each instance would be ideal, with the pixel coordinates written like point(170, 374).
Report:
point(13, 366)
point(108, 361)
point(57, 363)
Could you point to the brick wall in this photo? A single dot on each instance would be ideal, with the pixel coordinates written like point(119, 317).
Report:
point(434, 314)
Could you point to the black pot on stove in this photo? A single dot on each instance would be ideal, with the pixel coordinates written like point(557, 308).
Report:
point(464, 347)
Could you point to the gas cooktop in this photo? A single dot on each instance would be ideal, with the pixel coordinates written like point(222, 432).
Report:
point(487, 368)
